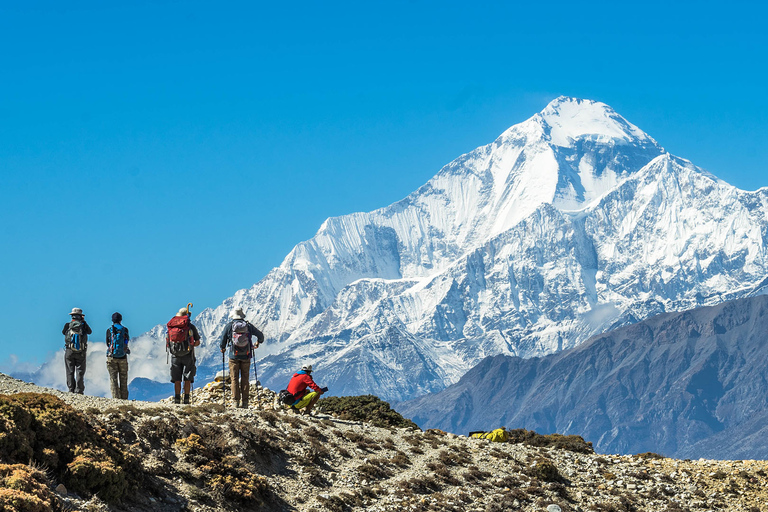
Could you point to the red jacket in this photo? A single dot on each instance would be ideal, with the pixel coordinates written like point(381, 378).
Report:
point(299, 384)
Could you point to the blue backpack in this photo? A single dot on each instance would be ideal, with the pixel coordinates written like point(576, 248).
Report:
point(117, 341)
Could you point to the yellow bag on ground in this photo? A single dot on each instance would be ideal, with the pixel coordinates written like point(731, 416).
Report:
point(497, 436)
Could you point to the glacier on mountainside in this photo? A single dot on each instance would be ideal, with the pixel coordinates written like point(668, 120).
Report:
point(568, 224)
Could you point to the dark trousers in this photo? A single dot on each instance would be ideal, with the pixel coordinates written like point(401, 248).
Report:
point(238, 372)
point(75, 365)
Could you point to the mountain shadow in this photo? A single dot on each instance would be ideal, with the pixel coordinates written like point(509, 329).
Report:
point(690, 384)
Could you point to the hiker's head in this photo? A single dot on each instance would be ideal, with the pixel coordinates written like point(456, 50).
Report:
point(307, 368)
point(183, 312)
point(238, 314)
point(117, 318)
point(76, 313)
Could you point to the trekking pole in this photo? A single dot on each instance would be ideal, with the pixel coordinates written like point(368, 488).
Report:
point(224, 383)
point(256, 377)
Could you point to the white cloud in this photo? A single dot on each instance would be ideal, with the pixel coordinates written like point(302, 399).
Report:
point(147, 359)
point(13, 365)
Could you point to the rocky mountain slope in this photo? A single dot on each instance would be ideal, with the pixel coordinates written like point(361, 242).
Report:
point(568, 224)
point(688, 384)
point(63, 451)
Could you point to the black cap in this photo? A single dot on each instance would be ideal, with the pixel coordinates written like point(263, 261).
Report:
point(117, 318)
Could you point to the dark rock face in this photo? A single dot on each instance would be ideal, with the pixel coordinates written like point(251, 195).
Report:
point(691, 384)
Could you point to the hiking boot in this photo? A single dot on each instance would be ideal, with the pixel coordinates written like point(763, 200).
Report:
point(186, 399)
point(245, 404)
point(177, 399)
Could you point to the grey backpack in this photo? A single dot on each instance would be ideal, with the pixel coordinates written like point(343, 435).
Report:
point(76, 340)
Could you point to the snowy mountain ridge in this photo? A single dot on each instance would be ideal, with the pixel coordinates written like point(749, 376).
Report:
point(569, 223)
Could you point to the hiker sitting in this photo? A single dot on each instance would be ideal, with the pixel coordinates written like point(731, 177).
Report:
point(298, 387)
point(239, 333)
point(76, 333)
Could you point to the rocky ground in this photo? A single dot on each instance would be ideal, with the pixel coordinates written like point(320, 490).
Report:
point(70, 452)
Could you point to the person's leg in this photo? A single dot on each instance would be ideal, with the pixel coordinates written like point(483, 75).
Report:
point(312, 403)
point(305, 400)
point(245, 367)
point(234, 384)
point(113, 369)
point(190, 369)
point(69, 364)
point(80, 372)
point(176, 374)
point(123, 375)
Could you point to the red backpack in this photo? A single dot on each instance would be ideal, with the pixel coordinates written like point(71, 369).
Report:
point(178, 335)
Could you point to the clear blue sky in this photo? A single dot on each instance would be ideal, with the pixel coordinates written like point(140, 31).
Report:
point(157, 153)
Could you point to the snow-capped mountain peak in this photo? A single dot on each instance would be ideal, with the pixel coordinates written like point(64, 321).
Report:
point(570, 119)
point(567, 224)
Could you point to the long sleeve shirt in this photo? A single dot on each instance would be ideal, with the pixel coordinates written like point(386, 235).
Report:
point(86, 328)
point(226, 339)
point(300, 382)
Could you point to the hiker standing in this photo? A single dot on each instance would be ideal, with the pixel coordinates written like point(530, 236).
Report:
point(239, 333)
point(76, 333)
point(300, 382)
point(117, 357)
point(181, 340)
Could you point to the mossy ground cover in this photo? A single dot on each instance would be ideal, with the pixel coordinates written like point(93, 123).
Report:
point(45, 430)
point(368, 408)
point(25, 489)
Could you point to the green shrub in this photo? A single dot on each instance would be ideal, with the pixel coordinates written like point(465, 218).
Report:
point(557, 441)
point(367, 408)
point(93, 472)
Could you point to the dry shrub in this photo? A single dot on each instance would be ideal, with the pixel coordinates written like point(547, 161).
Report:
point(373, 471)
point(649, 456)
point(270, 417)
point(401, 460)
point(443, 473)
point(475, 475)
point(546, 471)
point(25, 489)
point(230, 479)
point(160, 430)
point(424, 485)
point(453, 458)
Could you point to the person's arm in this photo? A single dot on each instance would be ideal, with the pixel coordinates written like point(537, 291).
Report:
point(65, 329)
point(226, 337)
point(86, 328)
point(311, 383)
point(255, 332)
point(195, 335)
